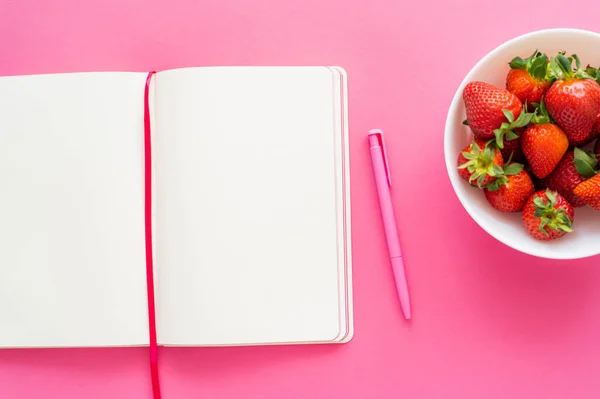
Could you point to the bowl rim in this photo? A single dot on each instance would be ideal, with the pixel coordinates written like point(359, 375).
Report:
point(451, 161)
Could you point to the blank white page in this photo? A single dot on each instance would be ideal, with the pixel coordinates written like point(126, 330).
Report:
point(72, 261)
point(246, 214)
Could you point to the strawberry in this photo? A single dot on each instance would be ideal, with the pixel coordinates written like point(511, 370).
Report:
point(547, 215)
point(480, 164)
point(527, 77)
point(589, 191)
point(543, 144)
point(573, 100)
point(492, 112)
point(595, 74)
point(512, 150)
point(597, 126)
point(566, 175)
point(509, 192)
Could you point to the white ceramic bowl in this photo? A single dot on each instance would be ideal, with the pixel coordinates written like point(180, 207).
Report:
point(508, 228)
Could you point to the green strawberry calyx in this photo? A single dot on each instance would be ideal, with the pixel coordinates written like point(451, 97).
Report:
point(541, 115)
point(585, 162)
point(507, 129)
point(561, 68)
point(594, 73)
point(509, 169)
point(480, 163)
point(550, 216)
point(536, 65)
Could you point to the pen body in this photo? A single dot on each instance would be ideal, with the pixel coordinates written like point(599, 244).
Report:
point(385, 202)
point(389, 225)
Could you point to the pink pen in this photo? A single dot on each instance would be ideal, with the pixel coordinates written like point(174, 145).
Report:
point(383, 181)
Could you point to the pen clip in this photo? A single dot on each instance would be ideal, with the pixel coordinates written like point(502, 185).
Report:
point(378, 135)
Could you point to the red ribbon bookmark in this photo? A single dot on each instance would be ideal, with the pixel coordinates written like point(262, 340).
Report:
point(148, 226)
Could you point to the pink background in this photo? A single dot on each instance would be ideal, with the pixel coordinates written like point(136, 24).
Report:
point(510, 326)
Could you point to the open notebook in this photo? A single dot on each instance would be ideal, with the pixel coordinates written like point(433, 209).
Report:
point(251, 212)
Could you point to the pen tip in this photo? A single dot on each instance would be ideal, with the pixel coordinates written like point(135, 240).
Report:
point(407, 314)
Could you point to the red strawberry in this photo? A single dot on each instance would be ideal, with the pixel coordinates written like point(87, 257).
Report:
point(573, 100)
point(597, 126)
point(589, 191)
point(527, 77)
point(512, 150)
point(547, 215)
point(566, 175)
point(543, 144)
point(510, 191)
point(595, 74)
point(479, 164)
point(491, 111)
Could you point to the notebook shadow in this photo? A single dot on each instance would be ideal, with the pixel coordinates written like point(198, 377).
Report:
point(186, 363)
point(92, 360)
point(207, 361)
